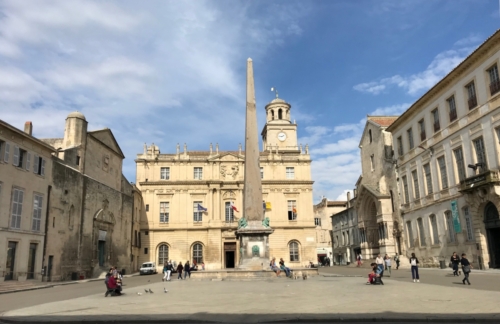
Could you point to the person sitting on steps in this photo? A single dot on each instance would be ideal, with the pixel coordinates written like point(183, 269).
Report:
point(274, 267)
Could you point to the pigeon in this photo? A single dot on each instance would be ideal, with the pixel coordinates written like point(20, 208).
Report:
point(146, 290)
point(165, 290)
point(150, 291)
point(139, 293)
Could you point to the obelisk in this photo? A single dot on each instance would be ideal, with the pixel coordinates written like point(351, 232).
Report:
point(253, 231)
point(252, 191)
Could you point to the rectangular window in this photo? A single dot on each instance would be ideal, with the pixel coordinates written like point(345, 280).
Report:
point(4, 151)
point(405, 189)
point(17, 208)
point(292, 210)
point(449, 224)
point(468, 224)
point(435, 119)
point(428, 178)
point(37, 213)
point(416, 189)
point(442, 171)
point(317, 221)
point(197, 214)
point(372, 162)
point(145, 250)
point(480, 154)
point(452, 108)
point(261, 172)
point(147, 207)
point(164, 212)
point(198, 173)
point(39, 165)
point(459, 160)
point(77, 160)
point(400, 146)
point(229, 213)
point(290, 173)
point(471, 95)
point(410, 138)
point(165, 173)
point(410, 233)
point(435, 233)
point(421, 232)
point(421, 127)
point(494, 79)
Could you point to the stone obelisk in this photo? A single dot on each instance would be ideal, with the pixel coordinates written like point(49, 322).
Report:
point(253, 230)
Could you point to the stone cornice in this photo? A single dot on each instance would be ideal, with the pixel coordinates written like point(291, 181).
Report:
point(222, 183)
point(457, 72)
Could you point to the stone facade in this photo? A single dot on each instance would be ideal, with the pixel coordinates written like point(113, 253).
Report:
point(90, 222)
point(447, 150)
point(345, 233)
point(25, 178)
point(173, 185)
point(322, 213)
point(377, 196)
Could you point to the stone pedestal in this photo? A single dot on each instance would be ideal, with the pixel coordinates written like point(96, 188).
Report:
point(254, 246)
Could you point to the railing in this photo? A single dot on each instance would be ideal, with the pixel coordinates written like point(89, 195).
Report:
point(472, 102)
point(453, 115)
point(494, 87)
point(437, 126)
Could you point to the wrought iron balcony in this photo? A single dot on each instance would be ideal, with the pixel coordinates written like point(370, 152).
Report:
point(484, 178)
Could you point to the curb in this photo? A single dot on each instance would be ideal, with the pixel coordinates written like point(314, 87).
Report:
point(62, 283)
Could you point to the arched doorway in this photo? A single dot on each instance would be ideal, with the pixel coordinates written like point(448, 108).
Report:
point(492, 226)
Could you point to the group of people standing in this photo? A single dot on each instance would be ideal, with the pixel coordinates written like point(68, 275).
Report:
point(169, 267)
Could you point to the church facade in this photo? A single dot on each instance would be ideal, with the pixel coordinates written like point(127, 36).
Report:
point(194, 199)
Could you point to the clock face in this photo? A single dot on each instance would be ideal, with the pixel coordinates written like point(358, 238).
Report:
point(282, 136)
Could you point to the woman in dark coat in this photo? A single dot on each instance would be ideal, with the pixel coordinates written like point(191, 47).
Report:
point(179, 270)
point(466, 267)
point(455, 260)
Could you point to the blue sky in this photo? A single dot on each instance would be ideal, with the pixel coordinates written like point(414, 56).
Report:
point(174, 71)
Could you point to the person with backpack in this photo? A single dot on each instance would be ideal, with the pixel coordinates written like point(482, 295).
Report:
point(396, 259)
point(466, 267)
point(414, 268)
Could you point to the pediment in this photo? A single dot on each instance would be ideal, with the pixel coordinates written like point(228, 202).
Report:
point(226, 157)
point(106, 137)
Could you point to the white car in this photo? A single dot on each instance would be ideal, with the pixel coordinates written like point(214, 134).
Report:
point(148, 268)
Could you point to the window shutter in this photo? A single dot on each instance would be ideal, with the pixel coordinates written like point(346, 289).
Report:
point(16, 156)
point(35, 163)
point(7, 152)
point(42, 169)
point(28, 161)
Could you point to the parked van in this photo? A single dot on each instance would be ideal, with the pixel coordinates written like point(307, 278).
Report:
point(148, 268)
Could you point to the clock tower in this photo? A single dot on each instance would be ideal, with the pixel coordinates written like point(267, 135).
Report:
point(279, 130)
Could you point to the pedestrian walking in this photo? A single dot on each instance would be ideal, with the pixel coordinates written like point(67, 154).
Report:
point(414, 268)
point(380, 264)
point(359, 260)
point(466, 267)
point(455, 260)
point(388, 264)
point(396, 259)
point(164, 272)
point(385, 258)
point(187, 270)
point(170, 268)
point(179, 270)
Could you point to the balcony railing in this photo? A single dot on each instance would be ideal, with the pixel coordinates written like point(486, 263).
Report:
point(494, 87)
point(453, 115)
point(437, 126)
point(486, 177)
point(422, 136)
point(472, 102)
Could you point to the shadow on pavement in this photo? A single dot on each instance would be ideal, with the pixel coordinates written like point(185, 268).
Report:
point(386, 317)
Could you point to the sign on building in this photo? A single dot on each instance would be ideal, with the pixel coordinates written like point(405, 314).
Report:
point(456, 216)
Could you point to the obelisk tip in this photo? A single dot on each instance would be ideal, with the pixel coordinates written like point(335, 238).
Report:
point(249, 60)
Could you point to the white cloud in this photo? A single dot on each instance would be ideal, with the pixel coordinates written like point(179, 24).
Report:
point(343, 195)
point(417, 83)
point(472, 39)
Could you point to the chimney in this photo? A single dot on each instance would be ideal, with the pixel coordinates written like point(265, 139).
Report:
point(348, 199)
point(28, 128)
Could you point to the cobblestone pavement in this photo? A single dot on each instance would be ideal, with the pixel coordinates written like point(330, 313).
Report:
point(332, 297)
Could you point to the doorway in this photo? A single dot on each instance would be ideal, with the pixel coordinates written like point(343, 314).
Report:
point(492, 225)
point(11, 260)
point(229, 255)
point(101, 246)
point(31, 261)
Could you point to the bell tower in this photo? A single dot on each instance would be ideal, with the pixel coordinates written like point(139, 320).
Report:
point(279, 130)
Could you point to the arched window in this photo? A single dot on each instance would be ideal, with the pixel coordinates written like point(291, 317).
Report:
point(162, 254)
point(294, 251)
point(198, 253)
point(370, 135)
point(280, 114)
point(449, 224)
point(272, 114)
point(468, 224)
point(373, 210)
point(434, 227)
